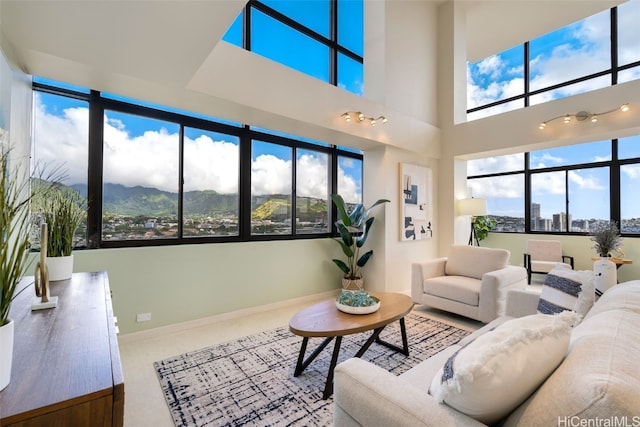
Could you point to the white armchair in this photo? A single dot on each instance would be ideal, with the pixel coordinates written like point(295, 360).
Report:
point(472, 282)
point(542, 255)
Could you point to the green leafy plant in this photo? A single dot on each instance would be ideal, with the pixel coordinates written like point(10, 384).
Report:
point(16, 195)
point(606, 238)
point(483, 225)
point(354, 229)
point(14, 233)
point(63, 209)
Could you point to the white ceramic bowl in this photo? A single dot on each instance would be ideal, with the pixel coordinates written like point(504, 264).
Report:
point(358, 310)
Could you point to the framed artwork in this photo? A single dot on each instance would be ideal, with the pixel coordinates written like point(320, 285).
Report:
point(416, 194)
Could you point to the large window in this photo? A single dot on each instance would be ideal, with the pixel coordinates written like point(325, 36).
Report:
point(571, 60)
point(155, 176)
point(568, 189)
point(321, 38)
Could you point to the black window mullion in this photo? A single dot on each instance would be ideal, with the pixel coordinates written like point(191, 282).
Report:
point(294, 188)
point(567, 224)
point(333, 51)
point(614, 45)
point(181, 182)
point(527, 194)
point(246, 24)
point(244, 214)
point(527, 74)
point(95, 169)
point(614, 182)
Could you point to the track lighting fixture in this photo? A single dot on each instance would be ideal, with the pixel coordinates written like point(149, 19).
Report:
point(360, 117)
point(581, 116)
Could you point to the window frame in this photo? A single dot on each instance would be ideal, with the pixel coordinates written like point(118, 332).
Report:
point(613, 164)
point(335, 48)
point(98, 104)
point(527, 93)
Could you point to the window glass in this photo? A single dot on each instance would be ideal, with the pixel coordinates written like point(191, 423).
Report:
point(548, 201)
point(350, 74)
point(586, 186)
point(496, 109)
point(234, 33)
point(573, 51)
point(487, 165)
point(497, 77)
point(628, 34)
point(351, 25)
point(60, 147)
point(629, 148)
point(570, 155)
point(629, 205)
point(140, 178)
point(210, 190)
point(570, 90)
point(312, 192)
point(313, 14)
point(289, 47)
point(629, 74)
point(505, 200)
point(350, 179)
point(271, 181)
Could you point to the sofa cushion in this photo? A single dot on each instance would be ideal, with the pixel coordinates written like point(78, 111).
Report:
point(494, 374)
point(474, 261)
point(624, 296)
point(599, 378)
point(456, 288)
point(566, 289)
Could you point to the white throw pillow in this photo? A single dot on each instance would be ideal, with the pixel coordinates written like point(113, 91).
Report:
point(488, 378)
point(567, 289)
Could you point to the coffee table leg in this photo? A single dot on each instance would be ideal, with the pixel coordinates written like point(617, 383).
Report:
point(328, 387)
point(405, 343)
point(302, 364)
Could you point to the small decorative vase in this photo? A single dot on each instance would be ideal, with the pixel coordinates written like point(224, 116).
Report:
point(6, 353)
point(606, 274)
point(353, 284)
point(60, 268)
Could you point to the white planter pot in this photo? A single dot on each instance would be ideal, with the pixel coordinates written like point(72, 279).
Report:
point(6, 353)
point(605, 274)
point(60, 268)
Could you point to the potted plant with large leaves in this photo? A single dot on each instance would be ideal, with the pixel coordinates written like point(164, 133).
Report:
point(64, 210)
point(354, 227)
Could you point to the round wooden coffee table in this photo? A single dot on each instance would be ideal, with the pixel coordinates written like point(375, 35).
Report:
point(325, 320)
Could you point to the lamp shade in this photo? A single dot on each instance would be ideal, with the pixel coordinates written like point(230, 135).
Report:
point(473, 207)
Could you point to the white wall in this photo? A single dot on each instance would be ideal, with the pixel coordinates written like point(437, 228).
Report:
point(515, 132)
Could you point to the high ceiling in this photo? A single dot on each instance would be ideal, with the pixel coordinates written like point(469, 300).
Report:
point(171, 50)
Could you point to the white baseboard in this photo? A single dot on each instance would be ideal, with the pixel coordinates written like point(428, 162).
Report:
point(183, 326)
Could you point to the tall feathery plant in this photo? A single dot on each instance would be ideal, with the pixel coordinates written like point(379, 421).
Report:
point(63, 209)
point(14, 232)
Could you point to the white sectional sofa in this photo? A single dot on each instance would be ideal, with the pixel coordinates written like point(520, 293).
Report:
point(597, 381)
point(471, 281)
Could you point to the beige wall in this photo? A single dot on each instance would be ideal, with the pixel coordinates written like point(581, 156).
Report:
point(580, 247)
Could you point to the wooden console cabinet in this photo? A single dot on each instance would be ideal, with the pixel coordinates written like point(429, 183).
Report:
point(66, 363)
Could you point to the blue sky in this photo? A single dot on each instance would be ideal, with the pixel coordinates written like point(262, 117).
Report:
point(573, 51)
point(63, 122)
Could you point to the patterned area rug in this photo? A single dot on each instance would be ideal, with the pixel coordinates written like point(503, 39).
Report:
point(250, 382)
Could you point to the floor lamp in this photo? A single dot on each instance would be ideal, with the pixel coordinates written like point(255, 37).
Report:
point(473, 208)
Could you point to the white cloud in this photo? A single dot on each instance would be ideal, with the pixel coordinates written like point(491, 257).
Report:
point(511, 162)
point(151, 159)
point(508, 187)
point(585, 181)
